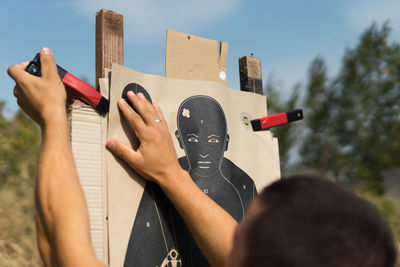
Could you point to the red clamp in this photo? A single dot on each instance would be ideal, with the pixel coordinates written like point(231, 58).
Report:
point(277, 119)
point(76, 88)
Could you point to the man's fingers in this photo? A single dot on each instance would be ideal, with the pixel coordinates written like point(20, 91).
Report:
point(48, 65)
point(17, 72)
point(143, 107)
point(134, 119)
point(123, 152)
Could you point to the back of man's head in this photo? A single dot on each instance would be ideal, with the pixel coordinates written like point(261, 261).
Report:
point(308, 221)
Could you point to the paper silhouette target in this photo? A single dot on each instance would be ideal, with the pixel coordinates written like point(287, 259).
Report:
point(159, 236)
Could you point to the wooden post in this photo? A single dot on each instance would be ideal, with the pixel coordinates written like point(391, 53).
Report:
point(109, 41)
point(251, 81)
point(250, 75)
point(109, 49)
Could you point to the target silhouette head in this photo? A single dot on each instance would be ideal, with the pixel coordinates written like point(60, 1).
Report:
point(202, 133)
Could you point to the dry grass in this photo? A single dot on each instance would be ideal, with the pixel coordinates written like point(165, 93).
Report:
point(18, 233)
point(390, 209)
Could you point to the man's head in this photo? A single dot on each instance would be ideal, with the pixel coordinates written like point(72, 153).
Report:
point(202, 133)
point(305, 221)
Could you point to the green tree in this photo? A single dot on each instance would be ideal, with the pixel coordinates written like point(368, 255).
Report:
point(19, 143)
point(353, 122)
point(318, 150)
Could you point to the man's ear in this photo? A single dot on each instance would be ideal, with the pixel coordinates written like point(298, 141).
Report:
point(226, 142)
point(178, 136)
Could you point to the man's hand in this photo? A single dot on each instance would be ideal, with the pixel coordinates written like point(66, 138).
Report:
point(155, 159)
point(42, 98)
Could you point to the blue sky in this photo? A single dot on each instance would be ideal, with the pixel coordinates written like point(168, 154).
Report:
point(286, 35)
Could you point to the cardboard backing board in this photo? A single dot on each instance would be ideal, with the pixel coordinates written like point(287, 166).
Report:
point(252, 154)
point(194, 58)
point(87, 145)
point(88, 130)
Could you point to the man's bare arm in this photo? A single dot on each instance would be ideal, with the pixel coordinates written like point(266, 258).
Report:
point(156, 160)
point(61, 211)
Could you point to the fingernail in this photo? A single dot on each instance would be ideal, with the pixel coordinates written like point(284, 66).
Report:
point(46, 51)
point(111, 144)
point(130, 93)
point(123, 101)
point(156, 106)
point(141, 96)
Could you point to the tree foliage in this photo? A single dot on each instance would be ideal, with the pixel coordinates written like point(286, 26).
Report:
point(351, 127)
point(367, 100)
point(354, 120)
point(19, 142)
point(318, 149)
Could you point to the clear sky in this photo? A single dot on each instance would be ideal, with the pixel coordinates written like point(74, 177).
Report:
point(286, 35)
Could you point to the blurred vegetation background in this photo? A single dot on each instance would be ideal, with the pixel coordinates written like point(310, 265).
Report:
point(351, 127)
point(19, 146)
point(350, 134)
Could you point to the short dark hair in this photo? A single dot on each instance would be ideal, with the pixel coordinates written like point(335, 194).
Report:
point(309, 221)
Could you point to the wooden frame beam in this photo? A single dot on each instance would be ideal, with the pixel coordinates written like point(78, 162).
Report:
point(250, 75)
point(109, 41)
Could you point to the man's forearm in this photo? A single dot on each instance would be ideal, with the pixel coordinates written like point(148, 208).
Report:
point(211, 226)
point(61, 206)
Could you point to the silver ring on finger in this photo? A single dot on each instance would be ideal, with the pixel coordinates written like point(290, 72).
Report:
point(158, 120)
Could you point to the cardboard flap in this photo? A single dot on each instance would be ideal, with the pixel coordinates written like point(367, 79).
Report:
point(190, 57)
